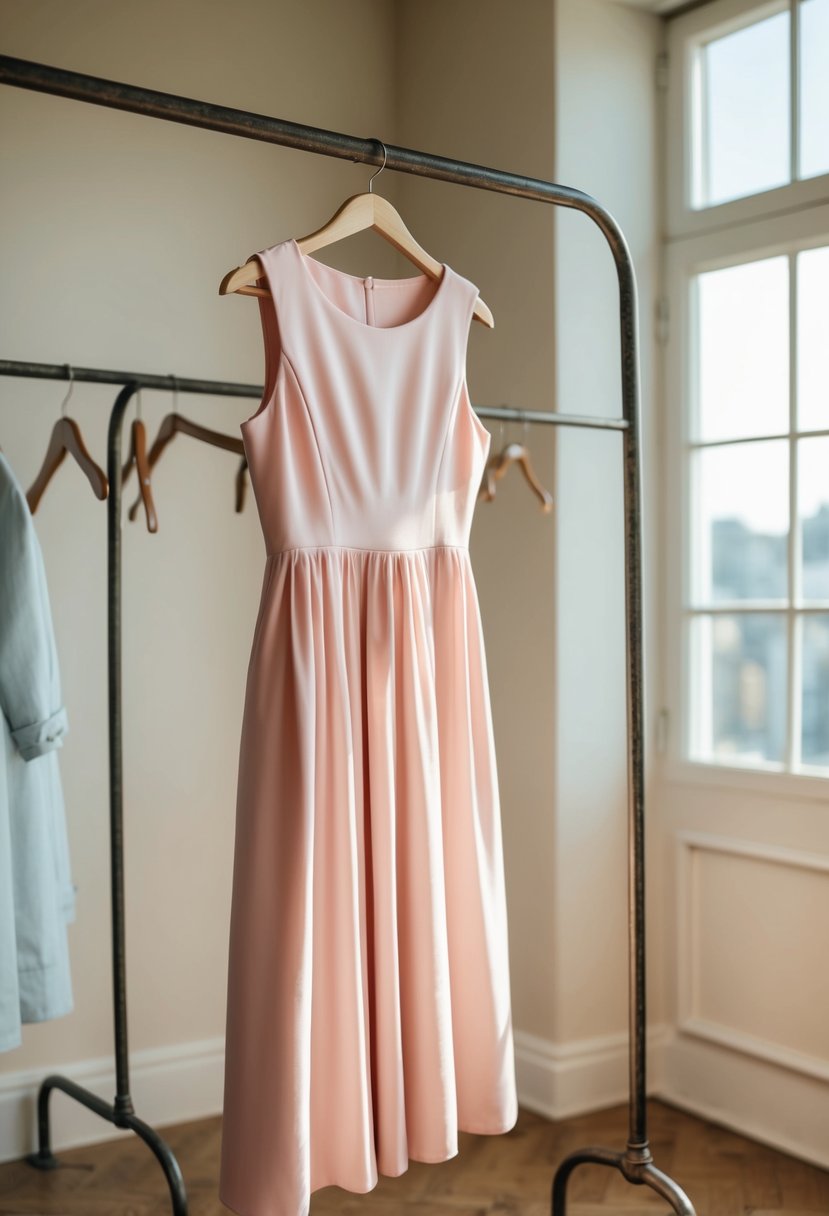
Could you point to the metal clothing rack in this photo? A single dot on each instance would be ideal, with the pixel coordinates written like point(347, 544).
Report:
point(635, 1162)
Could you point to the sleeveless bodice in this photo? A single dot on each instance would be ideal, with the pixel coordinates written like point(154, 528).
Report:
point(365, 436)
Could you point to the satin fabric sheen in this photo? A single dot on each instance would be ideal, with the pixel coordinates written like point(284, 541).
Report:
point(368, 999)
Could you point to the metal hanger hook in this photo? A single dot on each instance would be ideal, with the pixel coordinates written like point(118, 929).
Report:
point(138, 404)
point(382, 167)
point(69, 394)
point(175, 393)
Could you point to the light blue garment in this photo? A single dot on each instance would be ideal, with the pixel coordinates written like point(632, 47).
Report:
point(37, 895)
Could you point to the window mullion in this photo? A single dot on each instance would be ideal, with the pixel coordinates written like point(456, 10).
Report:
point(794, 90)
point(795, 535)
point(793, 682)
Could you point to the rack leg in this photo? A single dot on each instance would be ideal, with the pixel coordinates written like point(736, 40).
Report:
point(44, 1158)
point(636, 1162)
point(637, 1167)
point(121, 1111)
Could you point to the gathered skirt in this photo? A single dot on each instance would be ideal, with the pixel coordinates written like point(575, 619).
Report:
point(368, 1014)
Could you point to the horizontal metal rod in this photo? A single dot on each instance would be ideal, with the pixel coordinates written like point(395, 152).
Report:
point(227, 388)
point(551, 416)
point(44, 78)
point(103, 375)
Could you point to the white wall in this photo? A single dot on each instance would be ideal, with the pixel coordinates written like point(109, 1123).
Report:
point(606, 144)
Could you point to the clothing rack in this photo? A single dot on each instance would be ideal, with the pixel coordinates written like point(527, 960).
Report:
point(635, 1162)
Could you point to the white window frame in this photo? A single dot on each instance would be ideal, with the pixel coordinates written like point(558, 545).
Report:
point(785, 220)
point(685, 33)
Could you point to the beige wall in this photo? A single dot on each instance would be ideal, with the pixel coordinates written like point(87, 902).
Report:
point(606, 140)
point(116, 231)
point(479, 86)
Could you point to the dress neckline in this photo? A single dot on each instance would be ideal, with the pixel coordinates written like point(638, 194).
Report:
point(349, 319)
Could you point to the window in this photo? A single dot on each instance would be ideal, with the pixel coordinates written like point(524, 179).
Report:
point(748, 385)
point(758, 454)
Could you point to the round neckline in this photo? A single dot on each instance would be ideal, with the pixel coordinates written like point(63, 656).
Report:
point(363, 279)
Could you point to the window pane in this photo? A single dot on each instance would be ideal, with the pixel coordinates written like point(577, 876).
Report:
point(742, 492)
point(742, 111)
point(742, 687)
point(813, 509)
point(815, 716)
point(814, 87)
point(743, 327)
point(812, 344)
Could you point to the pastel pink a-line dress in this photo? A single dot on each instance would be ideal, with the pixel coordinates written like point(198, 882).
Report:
point(368, 996)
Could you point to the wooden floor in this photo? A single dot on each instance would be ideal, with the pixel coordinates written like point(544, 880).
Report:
point(507, 1175)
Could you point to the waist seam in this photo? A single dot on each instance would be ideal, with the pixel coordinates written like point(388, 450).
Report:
point(362, 549)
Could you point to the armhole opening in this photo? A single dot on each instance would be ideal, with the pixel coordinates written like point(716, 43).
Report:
point(271, 341)
point(476, 422)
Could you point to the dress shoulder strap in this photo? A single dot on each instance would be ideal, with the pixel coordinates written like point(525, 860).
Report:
point(271, 313)
point(457, 319)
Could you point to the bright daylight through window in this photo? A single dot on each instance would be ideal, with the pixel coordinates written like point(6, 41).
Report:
point(754, 279)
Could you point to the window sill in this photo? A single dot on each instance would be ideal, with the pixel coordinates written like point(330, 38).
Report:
point(770, 782)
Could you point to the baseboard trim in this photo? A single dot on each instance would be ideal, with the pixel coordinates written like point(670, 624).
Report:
point(561, 1080)
point(168, 1085)
point(764, 1100)
point(183, 1082)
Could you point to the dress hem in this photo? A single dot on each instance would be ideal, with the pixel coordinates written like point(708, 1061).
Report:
point(352, 1190)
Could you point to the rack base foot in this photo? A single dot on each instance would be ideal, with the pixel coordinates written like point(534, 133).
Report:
point(120, 1113)
point(636, 1164)
point(43, 1161)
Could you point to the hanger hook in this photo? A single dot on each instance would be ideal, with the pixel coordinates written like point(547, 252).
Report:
point(138, 404)
point(382, 167)
point(71, 386)
point(175, 393)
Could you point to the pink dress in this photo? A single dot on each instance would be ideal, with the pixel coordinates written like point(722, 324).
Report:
point(368, 998)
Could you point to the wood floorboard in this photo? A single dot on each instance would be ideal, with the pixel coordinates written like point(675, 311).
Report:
point(509, 1175)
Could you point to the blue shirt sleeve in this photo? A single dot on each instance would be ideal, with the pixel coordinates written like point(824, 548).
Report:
point(30, 689)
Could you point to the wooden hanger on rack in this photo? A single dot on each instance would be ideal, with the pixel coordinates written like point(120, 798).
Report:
point(359, 212)
point(66, 437)
point(513, 453)
point(137, 459)
point(175, 424)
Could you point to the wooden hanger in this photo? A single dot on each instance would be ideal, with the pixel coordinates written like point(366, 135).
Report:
point(514, 453)
point(487, 490)
point(359, 212)
point(66, 437)
point(175, 424)
point(138, 459)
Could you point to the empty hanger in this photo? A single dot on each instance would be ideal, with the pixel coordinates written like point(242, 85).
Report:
point(175, 424)
point(137, 459)
point(487, 490)
point(66, 437)
point(359, 212)
point(514, 453)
